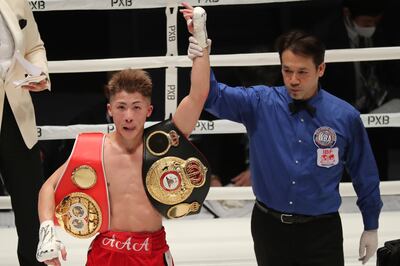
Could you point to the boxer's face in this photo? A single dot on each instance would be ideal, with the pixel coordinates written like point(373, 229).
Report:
point(300, 75)
point(129, 112)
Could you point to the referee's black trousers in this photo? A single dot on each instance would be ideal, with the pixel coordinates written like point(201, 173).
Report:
point(313, 243)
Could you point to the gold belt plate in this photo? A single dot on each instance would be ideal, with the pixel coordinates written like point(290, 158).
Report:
point(171, 180)
point(183, 209)
point(79, 214)
point(84, 177)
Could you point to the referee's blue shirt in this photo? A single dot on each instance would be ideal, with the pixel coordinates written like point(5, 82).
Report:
point(283, 153)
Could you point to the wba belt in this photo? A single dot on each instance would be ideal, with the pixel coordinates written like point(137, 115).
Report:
point(81, 195)
point(176, 175)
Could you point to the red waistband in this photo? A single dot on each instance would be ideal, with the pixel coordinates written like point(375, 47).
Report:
point(132, 242)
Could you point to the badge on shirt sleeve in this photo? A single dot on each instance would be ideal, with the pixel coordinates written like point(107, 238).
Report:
point(325, 138)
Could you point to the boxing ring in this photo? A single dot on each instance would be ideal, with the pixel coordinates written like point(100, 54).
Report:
point(202, 240)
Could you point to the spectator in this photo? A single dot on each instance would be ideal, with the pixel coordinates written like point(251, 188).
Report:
point(367, 85)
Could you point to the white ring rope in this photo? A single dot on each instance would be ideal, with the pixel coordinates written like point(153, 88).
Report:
point(48, 5)
point(202, 127)
point(251, 59)
point(246, 193)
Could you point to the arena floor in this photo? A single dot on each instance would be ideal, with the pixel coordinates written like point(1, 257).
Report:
point(214, 242)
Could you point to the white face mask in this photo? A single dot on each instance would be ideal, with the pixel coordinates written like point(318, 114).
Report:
point(366, 32)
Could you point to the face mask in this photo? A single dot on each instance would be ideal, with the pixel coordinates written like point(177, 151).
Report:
point(366, 32)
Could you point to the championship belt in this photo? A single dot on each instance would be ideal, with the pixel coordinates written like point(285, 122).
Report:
point(176, 175)
point(81, 195)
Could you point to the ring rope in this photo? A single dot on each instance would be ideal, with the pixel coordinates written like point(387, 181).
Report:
point(50, 5)
point(202, 127)
point(387, 188)
point(250, 59)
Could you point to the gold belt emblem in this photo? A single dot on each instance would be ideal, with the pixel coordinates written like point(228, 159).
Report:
point(79, 214)
point(171, 180)
point(159, 142)
point(183, 209)
point(84, 177)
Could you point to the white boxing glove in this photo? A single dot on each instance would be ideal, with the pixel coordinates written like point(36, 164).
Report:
point(199, 26)
point(368, 245)
point(49, 246)
point(195, 50)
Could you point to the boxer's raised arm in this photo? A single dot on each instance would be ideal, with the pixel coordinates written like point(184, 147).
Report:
point(189, 109)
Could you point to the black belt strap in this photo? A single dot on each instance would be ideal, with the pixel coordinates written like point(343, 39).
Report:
point(288, 218)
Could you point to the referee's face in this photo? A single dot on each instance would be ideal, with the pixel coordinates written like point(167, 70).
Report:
point(300, 75)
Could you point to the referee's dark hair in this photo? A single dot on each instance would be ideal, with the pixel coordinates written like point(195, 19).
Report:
point(301, 43)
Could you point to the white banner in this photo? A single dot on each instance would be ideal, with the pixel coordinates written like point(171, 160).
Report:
point(381, 120)
point(171, 91)
point(172, 31)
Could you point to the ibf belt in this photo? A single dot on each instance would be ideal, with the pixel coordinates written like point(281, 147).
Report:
point(176, 175)
point(81, 195)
